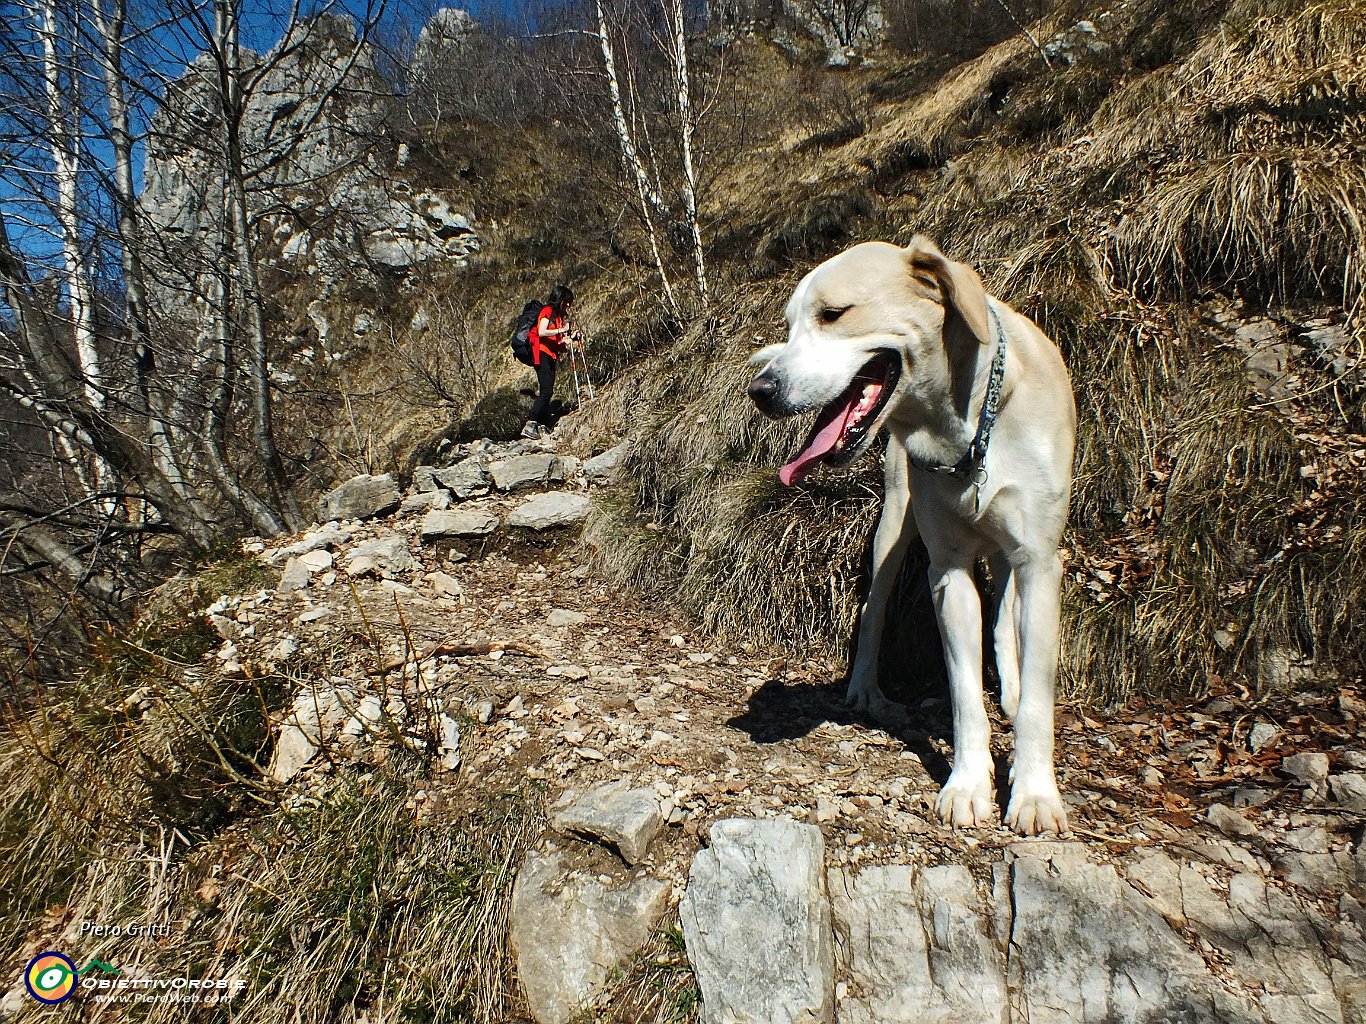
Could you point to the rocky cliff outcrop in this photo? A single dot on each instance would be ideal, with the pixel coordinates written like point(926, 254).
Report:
point(320, 176)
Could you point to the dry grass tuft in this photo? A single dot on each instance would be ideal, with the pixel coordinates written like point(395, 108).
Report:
point(1277, 228)
point(655, 987)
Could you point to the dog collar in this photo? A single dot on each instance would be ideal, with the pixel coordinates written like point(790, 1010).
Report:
point(972, 466)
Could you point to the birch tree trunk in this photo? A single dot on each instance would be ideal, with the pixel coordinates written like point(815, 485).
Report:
point(63, 112)
point(650, 201)
point(110, 20)
point(685, 121)
point(82, 575)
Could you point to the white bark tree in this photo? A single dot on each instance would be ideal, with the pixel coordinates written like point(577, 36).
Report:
point(636, 99)
point(686, 128)
point(62, 90)
point(651, 205)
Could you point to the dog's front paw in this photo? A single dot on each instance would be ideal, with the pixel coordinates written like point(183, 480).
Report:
point(868, 699)
point(1035, 810)
point(967, 800)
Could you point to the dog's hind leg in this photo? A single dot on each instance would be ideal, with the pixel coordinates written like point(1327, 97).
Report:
point(1006, 637)
point(895, 531)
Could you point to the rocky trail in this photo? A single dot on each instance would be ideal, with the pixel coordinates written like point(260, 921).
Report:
point(1215, 871)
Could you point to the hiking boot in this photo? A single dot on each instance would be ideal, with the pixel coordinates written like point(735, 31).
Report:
point(530, 431)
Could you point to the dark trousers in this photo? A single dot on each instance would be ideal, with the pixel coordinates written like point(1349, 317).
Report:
point(545, 380)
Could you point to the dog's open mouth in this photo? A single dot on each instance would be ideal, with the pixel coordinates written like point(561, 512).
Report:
point(844, 424)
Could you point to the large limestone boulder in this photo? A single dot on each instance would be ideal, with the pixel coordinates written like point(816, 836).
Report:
point(1086, 946)
point(915, 948)
point(569, 930)
point(361, 497)
point(757, 924)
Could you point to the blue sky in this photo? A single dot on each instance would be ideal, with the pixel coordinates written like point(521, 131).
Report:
point(162, 49)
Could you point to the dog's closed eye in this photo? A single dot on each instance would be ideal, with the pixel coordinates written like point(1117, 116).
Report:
point(830, 314)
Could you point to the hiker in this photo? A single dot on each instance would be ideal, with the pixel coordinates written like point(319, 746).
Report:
point(549, 338)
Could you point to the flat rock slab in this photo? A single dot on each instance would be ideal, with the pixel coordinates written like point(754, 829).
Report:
point(554, 508)
point(327, 536)
point(522, 471)
point(561, 617)
point(456, 523)
point(569, 931)
point(1349, 790)
point(360, 498)
point(466, 478)
point(425, 501)
point(757, 924)
point(295, 576)
point(1087, 946)
point(386, 556)
point(318, 560)
point(626, 819)
point(603, 468)
point(444, 584)
point(915, 947)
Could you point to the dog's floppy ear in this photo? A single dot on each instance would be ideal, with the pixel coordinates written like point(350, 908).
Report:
point(957, 282)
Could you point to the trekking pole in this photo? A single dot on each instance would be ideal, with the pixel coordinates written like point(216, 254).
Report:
point(588, 381)
point(578, 397)
point(584, 358)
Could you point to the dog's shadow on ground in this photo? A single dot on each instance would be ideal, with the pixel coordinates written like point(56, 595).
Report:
point(780, 711)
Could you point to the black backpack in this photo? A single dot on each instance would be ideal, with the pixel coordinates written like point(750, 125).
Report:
point(521, 331)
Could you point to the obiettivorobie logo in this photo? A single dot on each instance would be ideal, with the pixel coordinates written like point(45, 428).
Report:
point(53, 978)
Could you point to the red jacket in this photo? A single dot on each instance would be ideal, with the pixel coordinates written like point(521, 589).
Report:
point(552, 347)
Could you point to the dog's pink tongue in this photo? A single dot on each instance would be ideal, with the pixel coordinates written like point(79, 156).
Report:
point(825, 435)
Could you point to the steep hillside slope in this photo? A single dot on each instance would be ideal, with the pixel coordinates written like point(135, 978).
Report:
point(364, 769)
point(1176, 200)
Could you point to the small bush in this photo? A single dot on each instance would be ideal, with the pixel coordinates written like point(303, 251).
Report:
point(812, 231)
point(499, 414)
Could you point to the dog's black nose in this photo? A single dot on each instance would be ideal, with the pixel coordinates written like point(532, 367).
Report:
point(764, 390)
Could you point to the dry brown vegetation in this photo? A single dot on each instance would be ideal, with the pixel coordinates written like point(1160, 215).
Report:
point(137, 793)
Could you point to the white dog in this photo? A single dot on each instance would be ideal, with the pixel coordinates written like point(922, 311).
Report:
point(979, 407)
